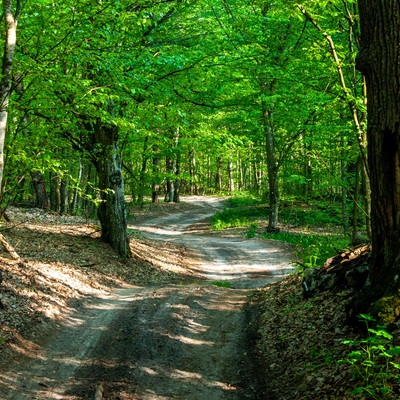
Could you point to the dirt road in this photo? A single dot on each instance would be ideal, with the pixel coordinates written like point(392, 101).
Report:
point(184, 341)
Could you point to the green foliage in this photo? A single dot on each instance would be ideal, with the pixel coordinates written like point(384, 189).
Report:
point(243, 210)
point(225, 284)
point(373, 362)
point(252, 231)
point(315, 213)
point(243, 201)
point(311, 249)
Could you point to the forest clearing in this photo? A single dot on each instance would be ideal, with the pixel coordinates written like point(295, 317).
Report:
point(75, 318)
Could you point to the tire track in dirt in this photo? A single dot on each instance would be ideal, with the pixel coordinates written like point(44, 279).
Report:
point(183, 342)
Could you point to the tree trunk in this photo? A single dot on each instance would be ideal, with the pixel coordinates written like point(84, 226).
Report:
point(170, 166)
point(356, 203)
point(63, 196)
point(177, 166)
point(271, 166)
point(218, 175)
point(177, 184)
point(10, 22)
point(194, 189)
point(112, 209)
point(155, 191)
point(231, 182)
point(39, 186)
point(77, 188)
point(142, 175)
point(54, 191)
point(379, 60)
point(88, 200)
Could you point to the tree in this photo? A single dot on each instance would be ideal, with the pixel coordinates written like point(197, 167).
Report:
point(10, 42)
point(379, 61)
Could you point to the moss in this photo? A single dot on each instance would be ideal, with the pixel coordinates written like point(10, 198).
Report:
point(387, 308)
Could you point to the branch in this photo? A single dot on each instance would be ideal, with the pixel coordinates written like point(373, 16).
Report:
point(349, 98)
point(130, 172)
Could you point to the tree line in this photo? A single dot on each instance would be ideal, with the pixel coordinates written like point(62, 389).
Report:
point(155, 98)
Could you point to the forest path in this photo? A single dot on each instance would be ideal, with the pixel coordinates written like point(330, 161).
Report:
point(184, 341)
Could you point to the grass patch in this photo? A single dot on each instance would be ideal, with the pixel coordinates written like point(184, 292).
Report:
point(225, 284)
point(241, 211)
point(313, 213)
point(311, 250)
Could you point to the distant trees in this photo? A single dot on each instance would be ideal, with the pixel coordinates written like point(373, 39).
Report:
point(172, 97)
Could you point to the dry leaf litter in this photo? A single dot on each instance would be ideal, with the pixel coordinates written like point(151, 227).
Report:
point(299, 342)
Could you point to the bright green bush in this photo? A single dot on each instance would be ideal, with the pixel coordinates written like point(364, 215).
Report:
point(372, 361)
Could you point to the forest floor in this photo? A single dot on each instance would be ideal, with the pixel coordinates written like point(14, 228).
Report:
point(195, 315)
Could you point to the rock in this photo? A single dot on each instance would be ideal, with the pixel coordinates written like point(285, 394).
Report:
point(315, 282)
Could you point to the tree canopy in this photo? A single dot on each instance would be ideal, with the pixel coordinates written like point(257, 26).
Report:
point(149, 99)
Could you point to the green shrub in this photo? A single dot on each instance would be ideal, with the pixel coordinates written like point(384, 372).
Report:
point(311, 249)
point(372, 362)
point(252, 231)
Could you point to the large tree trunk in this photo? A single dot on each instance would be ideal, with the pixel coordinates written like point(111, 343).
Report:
point(10, 42)
point(112, 209)
point(379, 60)
point(39, 186)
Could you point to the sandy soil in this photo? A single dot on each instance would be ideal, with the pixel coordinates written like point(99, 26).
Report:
point(182, 340)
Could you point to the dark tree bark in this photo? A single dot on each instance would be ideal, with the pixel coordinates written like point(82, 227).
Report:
point(273, 194)
point(142, 176)
point(379, 61)
point(112, 209)
point(177, 183)
point(39, 186)
point(218, 174)
point(177, 166)
point(169, 165)
point(63, 196)
point(155, 187)
point(54, 191)
point(10, 19)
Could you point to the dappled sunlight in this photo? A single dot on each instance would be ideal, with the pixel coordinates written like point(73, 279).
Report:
point(191, 341)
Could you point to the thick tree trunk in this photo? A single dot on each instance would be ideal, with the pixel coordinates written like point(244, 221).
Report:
point(379, 60)
point(112, 209)
point(10, 42)
point(39, 186)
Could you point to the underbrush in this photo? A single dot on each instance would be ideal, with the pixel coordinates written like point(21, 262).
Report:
point(301, 226)
point(240, 212)
point(311, 250)
point(308, 352)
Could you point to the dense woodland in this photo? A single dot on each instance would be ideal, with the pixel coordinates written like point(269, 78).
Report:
point(171, 97)
point(150, 99)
